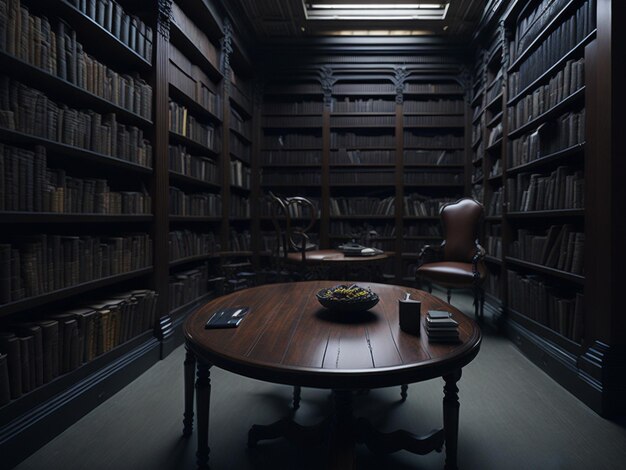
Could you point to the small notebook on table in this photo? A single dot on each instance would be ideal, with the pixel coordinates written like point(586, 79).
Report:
point(440, 326)
point(227, 317)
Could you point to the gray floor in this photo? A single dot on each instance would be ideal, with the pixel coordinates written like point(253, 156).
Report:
point(513, 416)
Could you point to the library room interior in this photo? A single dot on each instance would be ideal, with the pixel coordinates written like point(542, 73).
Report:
point(312, 234)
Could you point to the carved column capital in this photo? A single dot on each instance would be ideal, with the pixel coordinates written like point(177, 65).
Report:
point(399, 80)
point(227, 49)
point(327, 80)
point(164, 18)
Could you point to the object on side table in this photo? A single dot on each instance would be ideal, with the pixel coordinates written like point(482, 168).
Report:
point(440, 326)
point(410, 314)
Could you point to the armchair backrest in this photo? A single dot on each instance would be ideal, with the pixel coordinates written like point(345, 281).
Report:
point(461, 223)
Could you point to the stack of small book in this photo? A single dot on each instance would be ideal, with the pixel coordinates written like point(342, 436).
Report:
point(440, 326)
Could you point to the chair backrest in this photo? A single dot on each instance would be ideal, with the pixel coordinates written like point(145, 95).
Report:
point(461, 221)
point(290, 235)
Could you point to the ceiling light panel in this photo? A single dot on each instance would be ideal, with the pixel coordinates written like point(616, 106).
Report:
point(376, 11)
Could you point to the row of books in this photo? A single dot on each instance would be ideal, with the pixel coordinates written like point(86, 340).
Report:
point(496, 202)
point(561, 189)
point(480, 152)
point(434, 106)
point(295, 108)
point(433, 157)
point(493, 246)
point(358, 157)
point(495, 87)
point(201, 168)
point(535, 298)
point(34, 40)
point(240, 174)
point(195, 204)
point(425, 88)
point(362, 206)
point(495, 134)
point(239, 148)
point(277, 121)
point(183, 123)
point(566, 131)
point(185, 243)
point(363, 231)
point(191, 80)
point(29, 111)
point(239, 206)
point(34, 352)
point(295, 141)
point(563, 84)
point(492, 284)
point(288, 178)
point(432, 177)
point(37, 264)
point(294, 157)
point(355, 121)
point(477, 174)
point(423, 206)
point(434, 121)
point(240, 241)
point(362, 176)
point(496, 168)
point(563, 39)
point(478, 192)
point(28, 185)
point(412, 139)
point(238, 123)
point(370, 105)
point(352, 140)
point(129, 29)
point(477, 133)
point(532, 22)
point(561, 247)
point(184, 287)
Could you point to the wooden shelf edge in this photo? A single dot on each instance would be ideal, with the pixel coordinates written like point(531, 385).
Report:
point(18, 305)
point(567, 276)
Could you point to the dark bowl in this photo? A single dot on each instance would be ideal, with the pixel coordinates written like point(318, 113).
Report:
point(346, 305)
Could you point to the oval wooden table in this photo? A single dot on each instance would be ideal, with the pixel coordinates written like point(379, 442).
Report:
point(289, 338)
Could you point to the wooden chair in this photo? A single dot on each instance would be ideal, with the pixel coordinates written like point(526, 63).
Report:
point(458, 263)
point(293, 218)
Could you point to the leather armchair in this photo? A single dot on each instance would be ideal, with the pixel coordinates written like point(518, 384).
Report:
point(458, 263)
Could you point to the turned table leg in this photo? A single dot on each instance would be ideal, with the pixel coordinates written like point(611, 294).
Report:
point(203, 398)
point(190, 372)
point(451, 417)
point(342, 439)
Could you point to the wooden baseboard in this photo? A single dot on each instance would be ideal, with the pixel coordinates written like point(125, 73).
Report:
point(29, 431)
point(564, 368)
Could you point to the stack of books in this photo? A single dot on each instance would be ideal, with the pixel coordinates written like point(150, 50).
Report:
point(440, 326)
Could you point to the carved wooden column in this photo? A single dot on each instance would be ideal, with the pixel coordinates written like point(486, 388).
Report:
point(327, 80)
point(164, 328)
point(399, 81)
point(227, 50)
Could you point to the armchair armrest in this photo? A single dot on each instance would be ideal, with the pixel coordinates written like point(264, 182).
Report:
point(479, 256)
point(430, 254)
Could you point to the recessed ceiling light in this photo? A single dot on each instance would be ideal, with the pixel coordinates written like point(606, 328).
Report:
point(376, 11)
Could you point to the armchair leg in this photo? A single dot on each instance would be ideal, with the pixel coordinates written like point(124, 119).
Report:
point(482, 303)
point(430, 288)
point(448, 295)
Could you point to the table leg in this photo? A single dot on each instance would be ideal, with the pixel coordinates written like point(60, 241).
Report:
point(342, 439)
point(190, 372)
point(451, 417)
point(203, 398)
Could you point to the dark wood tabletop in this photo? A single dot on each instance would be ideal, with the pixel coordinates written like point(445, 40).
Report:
point(288, 337)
